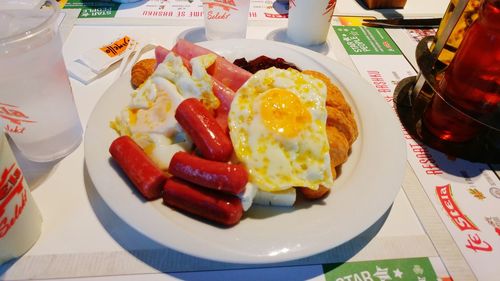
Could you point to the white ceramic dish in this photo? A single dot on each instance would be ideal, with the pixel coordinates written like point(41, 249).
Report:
point(365, 189)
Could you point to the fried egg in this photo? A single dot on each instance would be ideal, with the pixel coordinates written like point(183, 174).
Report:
point(197, 85)
point(149, 118)
point(151, 110)
point(277, 125)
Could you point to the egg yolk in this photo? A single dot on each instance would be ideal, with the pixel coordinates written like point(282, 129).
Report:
point(283, 112)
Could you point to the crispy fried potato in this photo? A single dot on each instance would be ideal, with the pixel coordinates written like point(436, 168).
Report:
point(313, 194)
point(334, 96)
point(141, 71)
point(339, 111)
point(345, 125)
point(339, 147)
point(341, 131)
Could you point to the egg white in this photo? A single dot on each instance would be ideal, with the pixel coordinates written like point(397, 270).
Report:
point(276, 162)
point(149, 118)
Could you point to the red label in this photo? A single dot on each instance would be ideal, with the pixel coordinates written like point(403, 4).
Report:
point(330, 6)
point(275, 16)
point(446, 198)
point(116, 48)
point(224, 4)
point(11, 186)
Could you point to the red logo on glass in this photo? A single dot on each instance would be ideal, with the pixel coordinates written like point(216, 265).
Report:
point(330, 6)
point(14, 118)
point(11, 186)
point(224, 4)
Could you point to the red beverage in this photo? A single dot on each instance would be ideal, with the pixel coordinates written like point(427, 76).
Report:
point(470, 89)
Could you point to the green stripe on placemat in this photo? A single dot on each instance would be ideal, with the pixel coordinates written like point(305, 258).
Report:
point(360, 40)
point(93, 9)
point(382, 270)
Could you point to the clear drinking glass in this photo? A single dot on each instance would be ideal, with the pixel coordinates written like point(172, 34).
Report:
point(226, 19)
point(37, 107)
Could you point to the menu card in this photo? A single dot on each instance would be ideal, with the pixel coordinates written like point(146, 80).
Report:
point(466, 195)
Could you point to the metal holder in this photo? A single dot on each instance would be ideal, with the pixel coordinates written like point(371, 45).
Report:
point(410, 105)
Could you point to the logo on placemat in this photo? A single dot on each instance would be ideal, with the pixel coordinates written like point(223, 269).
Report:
point(495, 191)
point(459, 219)
point(473, 241)
point(495, 222)
point(477, 194)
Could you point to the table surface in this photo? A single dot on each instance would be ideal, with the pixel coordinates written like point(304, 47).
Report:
point(82, 237)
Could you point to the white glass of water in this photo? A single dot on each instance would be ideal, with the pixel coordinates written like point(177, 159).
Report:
point(37, 108)
point(309, 21)
point(225, 18)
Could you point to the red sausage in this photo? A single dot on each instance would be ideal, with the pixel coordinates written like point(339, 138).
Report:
point(141, 170)
point(214, 206)
point(203, 129)
point(230, 178)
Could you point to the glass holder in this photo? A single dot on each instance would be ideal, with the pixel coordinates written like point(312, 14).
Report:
point(410, 106)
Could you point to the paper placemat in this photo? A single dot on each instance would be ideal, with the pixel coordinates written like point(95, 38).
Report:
point(465, 195)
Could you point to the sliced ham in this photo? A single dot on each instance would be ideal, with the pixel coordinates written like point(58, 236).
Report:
point(161, 53)
point(229, 74)
point(223, 70)
point(189, 50)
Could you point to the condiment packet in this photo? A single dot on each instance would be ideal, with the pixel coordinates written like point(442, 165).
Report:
point(95, 61)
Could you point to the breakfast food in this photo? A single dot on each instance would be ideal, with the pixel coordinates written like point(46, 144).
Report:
point(217, 207)
point(225, 139)
point(204, 131)
point(145, 175)
point(225, 177)
point(277, 126)
point(141, 71)
point(263, 62)
point(341, 126)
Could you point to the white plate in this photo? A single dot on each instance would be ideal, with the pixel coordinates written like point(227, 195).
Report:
point(367, 186)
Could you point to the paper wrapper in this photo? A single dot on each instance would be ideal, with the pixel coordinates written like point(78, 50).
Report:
point(20, 219)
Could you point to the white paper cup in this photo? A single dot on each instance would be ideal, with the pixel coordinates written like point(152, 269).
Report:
point(225, 18)
point(20, 219)
point(309, 21)
point(37, 108)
